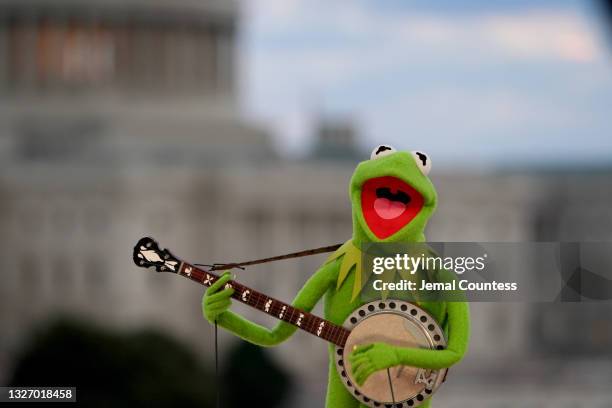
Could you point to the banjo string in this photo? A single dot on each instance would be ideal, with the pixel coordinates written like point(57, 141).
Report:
point(217, 377)
point(390, 385)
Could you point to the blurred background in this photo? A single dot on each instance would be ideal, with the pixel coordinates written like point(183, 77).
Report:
point(229, 130)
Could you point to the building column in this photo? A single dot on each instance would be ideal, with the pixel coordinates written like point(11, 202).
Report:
point(225, 39)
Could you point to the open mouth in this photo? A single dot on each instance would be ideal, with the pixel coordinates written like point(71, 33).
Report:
point(388, 204)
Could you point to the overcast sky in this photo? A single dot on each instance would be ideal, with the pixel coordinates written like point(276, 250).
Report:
point(472, 83)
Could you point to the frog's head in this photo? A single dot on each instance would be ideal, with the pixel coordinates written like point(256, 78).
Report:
point(391, 196)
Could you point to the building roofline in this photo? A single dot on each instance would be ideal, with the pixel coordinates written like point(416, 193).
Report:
point(184, 11)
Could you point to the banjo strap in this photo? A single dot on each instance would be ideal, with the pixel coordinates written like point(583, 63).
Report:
point(300, 254)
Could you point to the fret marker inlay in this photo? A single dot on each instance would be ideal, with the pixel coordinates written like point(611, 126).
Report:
point(320, 329)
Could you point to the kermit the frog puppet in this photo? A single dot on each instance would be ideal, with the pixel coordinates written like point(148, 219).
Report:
point(392, 199)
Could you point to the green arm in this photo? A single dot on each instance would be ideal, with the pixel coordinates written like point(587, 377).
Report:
point(306, 299)
point(458, 337)
point(458, 321)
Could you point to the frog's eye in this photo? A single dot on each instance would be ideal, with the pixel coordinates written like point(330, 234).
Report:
point(381, 151)
point(423, 161)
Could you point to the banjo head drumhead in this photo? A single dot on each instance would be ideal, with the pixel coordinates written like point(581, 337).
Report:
point(397, 323)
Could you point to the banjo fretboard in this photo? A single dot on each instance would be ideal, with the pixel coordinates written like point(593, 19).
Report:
point(306, 321)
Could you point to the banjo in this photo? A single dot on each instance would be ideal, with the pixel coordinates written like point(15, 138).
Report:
point(395, 322)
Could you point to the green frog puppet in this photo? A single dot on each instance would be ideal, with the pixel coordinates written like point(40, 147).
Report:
point(392, 199)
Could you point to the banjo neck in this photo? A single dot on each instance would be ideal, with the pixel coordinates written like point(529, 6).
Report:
point(147, 253)
point(282, 311)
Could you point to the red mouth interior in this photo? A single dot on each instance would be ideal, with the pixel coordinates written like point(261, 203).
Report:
point(388, 204)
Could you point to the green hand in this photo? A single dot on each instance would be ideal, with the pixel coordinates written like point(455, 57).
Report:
point(216, 301)
point(366, 360)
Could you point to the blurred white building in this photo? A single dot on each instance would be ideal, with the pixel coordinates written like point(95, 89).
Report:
point(115, 118)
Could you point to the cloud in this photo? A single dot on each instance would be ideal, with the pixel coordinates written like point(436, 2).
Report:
point(533, 33)
point(460, 74)
point(562, 35)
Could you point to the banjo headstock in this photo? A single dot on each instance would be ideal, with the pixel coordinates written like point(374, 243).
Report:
point(147, 253)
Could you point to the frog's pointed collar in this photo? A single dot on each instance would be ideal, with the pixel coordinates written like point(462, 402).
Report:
point(350, 257)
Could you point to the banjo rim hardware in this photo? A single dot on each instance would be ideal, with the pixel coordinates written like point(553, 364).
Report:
point(422, 321)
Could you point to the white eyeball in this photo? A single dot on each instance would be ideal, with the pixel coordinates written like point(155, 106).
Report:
point(381, 151)
point(423, 161)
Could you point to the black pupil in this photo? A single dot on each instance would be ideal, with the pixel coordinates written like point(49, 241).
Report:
point(422, 158)
point(382, 149)
point(385, 192)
